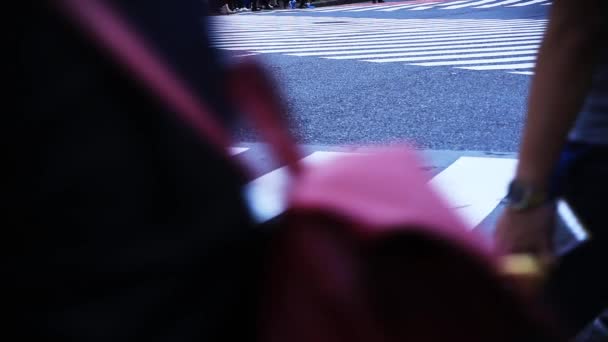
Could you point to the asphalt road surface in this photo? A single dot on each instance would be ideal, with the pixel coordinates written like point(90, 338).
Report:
point(442, 75)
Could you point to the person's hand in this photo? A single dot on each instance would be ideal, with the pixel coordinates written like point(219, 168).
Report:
point(528, 236)
point(527, 232)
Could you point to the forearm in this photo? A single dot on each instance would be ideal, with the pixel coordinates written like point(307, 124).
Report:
point(562, 79)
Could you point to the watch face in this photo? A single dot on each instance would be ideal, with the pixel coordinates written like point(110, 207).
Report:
point(517, 193)
point(522, 197)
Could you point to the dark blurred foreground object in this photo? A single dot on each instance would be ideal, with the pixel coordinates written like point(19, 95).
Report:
point(124, 225)
point(370, 253)
point(135, 230)
point(596, 331)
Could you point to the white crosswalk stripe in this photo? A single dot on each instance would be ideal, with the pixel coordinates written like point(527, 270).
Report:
point(500, 66)
point(472, 186)
point(366, 8)
point(458, 56)
point(468, 4)
point(496, 4)
point(429, 46)
point(527, 3)
point(450, 3)
point(469, 44)
point(523, 72)
point(371, 32)
point(485, 61)
point(350, 54)
point(397, 8)
point(375, 39)
point(382, 58)
point(416, 5)
point(420, 8)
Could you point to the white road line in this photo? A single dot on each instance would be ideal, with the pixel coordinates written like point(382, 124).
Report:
point(328, 9)
point(246, 55)
point(458, 56)
point(371, 34)
point(364, 8)
point(474, 44)
point(415, 42)
point(229, 30)
point(437, 52)
point(399, 6)
point(237, 150)
point(501, 67)
point(424, 6)
point(337, 9)
point(409, 6)
point(502, 3)
point(480, 61)
point(450, 3)
point(470, 4)
point(292, 19)
point(522, 72)
point(527, 3)
point(220, 22)
point(379, 37)
point(474, 187)
point(438, 45)
point(396, 8)
point(242, 25)
point(371, 30)
point(421, 8)
point(438, 49)
point(390, 40)
point(384, 40)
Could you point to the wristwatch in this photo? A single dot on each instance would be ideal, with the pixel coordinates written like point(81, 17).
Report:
point(522, 196)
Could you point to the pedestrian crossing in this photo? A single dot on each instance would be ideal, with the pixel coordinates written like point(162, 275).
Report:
point(472, 185)
point(418, 5)
point(468, 44)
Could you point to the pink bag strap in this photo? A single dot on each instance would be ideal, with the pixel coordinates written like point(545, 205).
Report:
point(257, 98)
point(112, 31)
